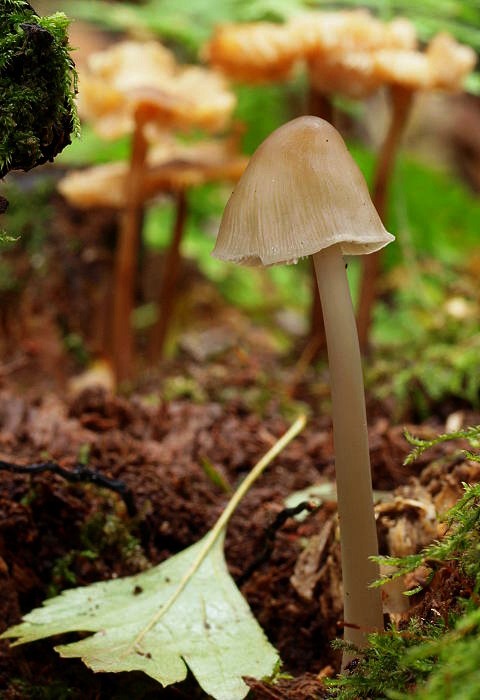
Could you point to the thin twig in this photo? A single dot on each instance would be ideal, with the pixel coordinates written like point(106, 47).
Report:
point(78, 474)
point(270, 533)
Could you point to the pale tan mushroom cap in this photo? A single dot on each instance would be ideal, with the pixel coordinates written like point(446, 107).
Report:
point(300, 193)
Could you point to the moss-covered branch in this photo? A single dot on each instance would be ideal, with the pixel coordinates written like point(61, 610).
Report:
point(37, 87)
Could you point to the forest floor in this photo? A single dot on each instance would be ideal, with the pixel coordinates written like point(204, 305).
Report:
point(55, 534)
point(165, 441)
point(180, 439)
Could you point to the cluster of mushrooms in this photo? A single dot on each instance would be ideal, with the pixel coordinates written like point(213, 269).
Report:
point(300, 195)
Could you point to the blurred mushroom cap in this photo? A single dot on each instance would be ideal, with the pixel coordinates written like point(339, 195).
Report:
point(261, 51)
point(133, 75)
point(450, 61)
point(253, 52)
point(300, 193)
point(352, 74)
point(349, 30)
point(443, 66)
point(171, 166)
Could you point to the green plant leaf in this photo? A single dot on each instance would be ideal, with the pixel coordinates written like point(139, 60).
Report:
point(183, 613)
point(209, 628)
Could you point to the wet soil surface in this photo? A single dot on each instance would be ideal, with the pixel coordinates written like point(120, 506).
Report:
point(55, 534)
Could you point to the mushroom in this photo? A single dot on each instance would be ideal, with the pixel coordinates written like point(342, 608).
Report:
point(302, 194)
point(138, 88)
point(342, 61)
point(254, 52)
point(444, 65)
point(171, 168)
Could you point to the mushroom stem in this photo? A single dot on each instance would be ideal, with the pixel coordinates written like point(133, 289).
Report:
point(358, 535)
point(316, 336)
point(401, 102)
point(169, 283)
point(320, 105)
point(126, 258)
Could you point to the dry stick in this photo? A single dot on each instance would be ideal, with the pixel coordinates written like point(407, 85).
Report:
point(126, 257)
point(358, 534)
point(77, 474)
point(222, 522)
point(401, 103)
point(170, 278)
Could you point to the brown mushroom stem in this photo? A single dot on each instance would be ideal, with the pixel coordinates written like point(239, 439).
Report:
point(169, 283)
point(320, 105)
point(126, 258)
point(401, 103)
point(358, 535)
point(316, 337)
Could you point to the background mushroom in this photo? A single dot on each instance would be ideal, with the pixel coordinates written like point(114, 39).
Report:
point(444, 65)
point(341, 61)
point(139, 88)
point(302, 194)
point(171, 168)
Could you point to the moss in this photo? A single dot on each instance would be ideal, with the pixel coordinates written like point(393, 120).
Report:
point(37, 87)
point(385, 666)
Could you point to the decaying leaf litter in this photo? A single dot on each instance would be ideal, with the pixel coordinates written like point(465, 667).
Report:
point(408, 518)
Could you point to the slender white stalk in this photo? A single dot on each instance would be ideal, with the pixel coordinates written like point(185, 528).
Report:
point(362, 605)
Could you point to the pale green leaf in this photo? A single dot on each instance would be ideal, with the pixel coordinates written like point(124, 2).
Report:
point(208, 628)
point(186, 612)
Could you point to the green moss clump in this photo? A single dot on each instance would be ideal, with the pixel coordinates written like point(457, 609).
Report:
point(37, 87)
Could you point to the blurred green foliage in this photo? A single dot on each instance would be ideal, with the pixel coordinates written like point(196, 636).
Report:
point(427, 341)
point(191, 27)
point(27, 224)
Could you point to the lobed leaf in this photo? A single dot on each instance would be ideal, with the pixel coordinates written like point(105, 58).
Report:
point(209, 628)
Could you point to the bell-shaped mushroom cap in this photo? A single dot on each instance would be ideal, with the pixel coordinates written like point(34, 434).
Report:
point(300, 193)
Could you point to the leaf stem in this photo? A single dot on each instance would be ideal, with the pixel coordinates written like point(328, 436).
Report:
point(221, 523)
